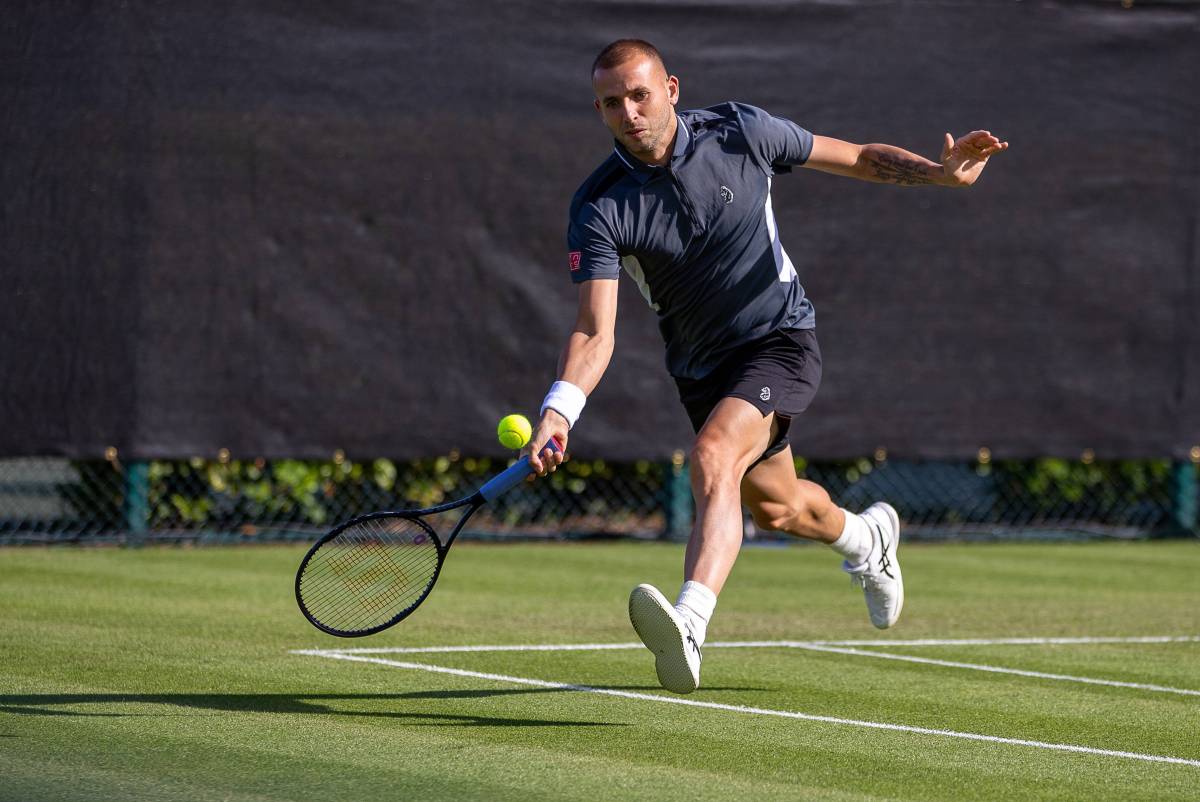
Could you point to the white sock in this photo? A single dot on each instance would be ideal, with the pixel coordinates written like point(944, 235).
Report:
point(696, 604)
point(855, 541)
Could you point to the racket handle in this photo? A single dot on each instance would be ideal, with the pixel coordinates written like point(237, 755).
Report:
point(503, 482)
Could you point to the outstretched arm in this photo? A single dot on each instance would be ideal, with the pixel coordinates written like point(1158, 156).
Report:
point(961, 163)
point(582, 363)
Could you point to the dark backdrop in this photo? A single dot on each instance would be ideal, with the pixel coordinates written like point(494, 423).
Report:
point(288, 227)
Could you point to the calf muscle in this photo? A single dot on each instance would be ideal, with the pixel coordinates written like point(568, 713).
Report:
point(780, 501)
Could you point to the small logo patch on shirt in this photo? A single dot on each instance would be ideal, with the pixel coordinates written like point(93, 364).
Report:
point(575, 256)
point(765, 395)
point(727, 195)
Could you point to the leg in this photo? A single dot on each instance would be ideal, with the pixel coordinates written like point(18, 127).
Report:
point(732, 438)
point(781, 501)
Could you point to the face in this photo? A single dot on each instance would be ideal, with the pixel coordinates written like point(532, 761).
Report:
point(637, 101)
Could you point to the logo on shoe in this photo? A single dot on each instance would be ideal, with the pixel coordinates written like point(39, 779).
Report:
point(765, 394)
point(885, 562)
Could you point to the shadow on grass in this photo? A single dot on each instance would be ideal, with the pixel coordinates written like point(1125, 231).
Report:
point(480, 693)
point(289, 703)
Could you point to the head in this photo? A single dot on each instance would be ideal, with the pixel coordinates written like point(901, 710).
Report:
point(636, 97)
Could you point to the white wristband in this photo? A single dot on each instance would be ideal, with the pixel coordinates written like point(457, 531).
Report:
point(566, 399)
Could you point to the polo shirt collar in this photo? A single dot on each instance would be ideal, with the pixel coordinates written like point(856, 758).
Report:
point(642, 171)
point(683, 138)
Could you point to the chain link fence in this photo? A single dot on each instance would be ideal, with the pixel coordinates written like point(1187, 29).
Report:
point(224, 500)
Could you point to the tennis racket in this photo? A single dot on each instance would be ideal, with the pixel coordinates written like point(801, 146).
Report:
point(373, 571)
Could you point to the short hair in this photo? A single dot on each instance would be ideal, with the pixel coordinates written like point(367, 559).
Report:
point(623, 50)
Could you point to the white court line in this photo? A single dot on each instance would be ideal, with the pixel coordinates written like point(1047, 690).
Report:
point(998, 670)
point(982, 641)
point(758, 644)
point(878, 725)
point(836, 647)
point(526, 647)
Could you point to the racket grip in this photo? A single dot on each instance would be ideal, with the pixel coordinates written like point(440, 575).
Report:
point(512, 476)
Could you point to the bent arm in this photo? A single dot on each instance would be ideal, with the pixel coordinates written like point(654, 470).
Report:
point(962, 160)
point(884, 164)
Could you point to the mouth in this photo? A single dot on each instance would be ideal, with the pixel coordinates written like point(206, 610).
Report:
point(635, 132)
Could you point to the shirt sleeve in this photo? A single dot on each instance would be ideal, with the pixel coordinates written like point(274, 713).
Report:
point(592, 254)
point(776, 143)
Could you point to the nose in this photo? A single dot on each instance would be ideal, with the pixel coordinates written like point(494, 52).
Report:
point(628, 110)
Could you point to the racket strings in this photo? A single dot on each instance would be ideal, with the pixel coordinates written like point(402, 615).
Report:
point(369, 573)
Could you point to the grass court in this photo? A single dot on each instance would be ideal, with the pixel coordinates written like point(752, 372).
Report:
point(1018, 671)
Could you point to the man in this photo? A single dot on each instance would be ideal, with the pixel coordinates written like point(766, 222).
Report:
point(683, 205)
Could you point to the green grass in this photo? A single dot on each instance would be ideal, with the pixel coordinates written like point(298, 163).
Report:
point(168, 674)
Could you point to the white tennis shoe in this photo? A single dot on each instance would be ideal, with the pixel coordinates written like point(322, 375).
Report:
point(663, 630)
point(879, 576)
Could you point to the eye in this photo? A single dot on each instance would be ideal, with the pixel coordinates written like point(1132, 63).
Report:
point(641, 95)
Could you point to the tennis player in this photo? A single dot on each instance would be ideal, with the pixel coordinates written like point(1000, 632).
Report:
point(683, 205)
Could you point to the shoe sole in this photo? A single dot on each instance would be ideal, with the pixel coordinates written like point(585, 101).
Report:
point(895, 519)
point(663, 636)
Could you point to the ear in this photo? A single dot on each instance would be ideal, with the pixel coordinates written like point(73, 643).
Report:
point(596, 103)
point(672, 89)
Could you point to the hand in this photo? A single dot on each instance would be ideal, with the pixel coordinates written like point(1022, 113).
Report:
point(963, 160)
point(553, 425)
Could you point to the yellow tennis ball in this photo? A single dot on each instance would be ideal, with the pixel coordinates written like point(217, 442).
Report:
point(514, 431)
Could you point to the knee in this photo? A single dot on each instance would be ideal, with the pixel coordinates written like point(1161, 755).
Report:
point(711, 466)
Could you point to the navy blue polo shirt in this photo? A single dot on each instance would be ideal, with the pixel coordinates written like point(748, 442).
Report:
point(698, 235)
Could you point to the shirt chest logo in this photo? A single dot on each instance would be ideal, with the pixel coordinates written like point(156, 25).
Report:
point(727, 195)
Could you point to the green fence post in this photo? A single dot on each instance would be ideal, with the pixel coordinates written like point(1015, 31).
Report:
point(136, 506)
point(679, 499)
point(1185, 496)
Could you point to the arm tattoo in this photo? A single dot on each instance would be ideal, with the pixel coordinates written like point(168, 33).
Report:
point(898, 169)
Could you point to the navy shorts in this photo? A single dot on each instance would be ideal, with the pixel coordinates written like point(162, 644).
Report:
point(779, 373)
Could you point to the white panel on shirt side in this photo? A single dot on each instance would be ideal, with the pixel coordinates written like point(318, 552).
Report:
point(634, 268)
point(783, 264)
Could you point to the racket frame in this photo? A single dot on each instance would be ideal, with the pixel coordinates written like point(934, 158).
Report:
point(472, 502)
point(496, 486)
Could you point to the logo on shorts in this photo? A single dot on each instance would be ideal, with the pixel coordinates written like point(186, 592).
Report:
point(574, 256)
point(765, 394)
point(727, 195)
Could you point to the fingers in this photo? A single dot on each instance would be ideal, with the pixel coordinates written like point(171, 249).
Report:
point(535, 462)
point(552, 459)
point(538, 460)
point(947, 146)
point(979, 145)
point(546, 460)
